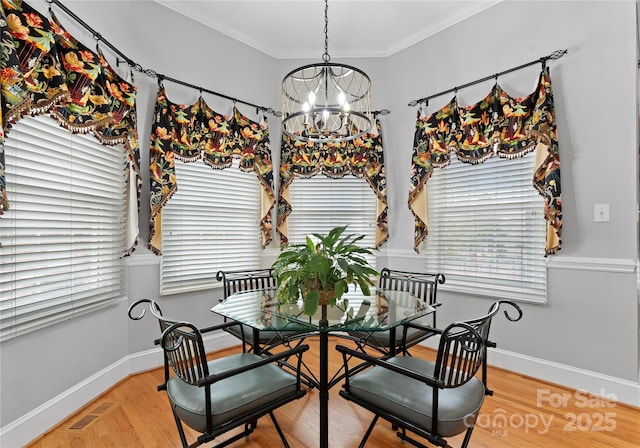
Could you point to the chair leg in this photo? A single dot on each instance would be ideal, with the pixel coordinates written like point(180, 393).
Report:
point(275, 423)
point(368, 433)
point(183, 438)
point(467, 436)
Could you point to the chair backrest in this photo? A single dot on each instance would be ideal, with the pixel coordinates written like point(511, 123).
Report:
point(493, 310)
point(422, 285)
point(460, 355)
point(463, 347)
point(184, 351)
point(162, 321)
point(245, 280)
point(155, 310)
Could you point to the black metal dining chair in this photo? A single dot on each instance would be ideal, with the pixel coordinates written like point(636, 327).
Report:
point(423, 286)
point(267, 340)
point(433, 400)
point(253, 279)
point(217, 396)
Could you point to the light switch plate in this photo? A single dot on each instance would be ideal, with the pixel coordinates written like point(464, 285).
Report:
point(601, 213)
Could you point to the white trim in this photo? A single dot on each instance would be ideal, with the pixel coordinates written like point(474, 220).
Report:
point(40, 420)
point(493, 292)
point(474, 9)
point(598, 384)
point(143, 260)
point(305, 53)
point(399, 253)
point(616, 265)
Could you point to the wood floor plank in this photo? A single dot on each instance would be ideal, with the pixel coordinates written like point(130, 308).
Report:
point(523, 413)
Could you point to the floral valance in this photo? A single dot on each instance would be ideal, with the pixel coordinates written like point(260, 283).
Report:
point(362, 157)
point(499, 124)
point(194, 132)
point(44, 69)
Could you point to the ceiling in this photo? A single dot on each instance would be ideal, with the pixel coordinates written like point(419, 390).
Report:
point(357, 28)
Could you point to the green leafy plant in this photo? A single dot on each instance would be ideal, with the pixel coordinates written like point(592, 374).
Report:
point(324, 266)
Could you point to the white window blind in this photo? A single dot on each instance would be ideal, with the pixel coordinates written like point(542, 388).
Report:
point(65, 233)
point(210, 223)
point(321, 203)
point(487, 229)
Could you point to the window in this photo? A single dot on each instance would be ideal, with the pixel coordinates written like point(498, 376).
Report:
point(487, 228)
point(211, 223)
point(320, 203)
point(64, 236)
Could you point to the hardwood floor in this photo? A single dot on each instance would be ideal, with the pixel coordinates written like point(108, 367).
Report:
point(523, 413)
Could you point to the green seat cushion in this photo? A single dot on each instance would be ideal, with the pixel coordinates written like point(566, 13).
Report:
point(232, 397)
point(411, 400)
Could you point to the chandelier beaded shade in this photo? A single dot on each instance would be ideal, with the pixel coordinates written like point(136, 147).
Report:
point(326, 102)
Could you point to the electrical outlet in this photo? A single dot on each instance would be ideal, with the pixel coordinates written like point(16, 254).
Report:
point(601, 213)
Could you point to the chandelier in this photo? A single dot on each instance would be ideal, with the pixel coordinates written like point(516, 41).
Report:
point(326, 102)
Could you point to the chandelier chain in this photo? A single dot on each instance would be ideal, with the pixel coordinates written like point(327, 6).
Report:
point(325, 56)
point(326, 102)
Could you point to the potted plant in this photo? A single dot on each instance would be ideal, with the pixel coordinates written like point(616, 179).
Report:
point(321, 270)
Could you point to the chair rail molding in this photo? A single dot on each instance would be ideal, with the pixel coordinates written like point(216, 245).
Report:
point(599, 264)
point(147, 259)
point(613, 265)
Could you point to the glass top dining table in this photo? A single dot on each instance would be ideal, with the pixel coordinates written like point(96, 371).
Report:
point(382, 310)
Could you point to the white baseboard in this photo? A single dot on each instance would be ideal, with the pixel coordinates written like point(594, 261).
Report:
point(617, 389)
point(31, 425)
point(40, 420)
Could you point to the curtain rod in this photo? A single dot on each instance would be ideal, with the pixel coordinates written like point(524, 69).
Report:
point(150, 72)
point(555, 55)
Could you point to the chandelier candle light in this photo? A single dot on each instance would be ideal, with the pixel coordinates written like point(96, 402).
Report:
point(326, 102)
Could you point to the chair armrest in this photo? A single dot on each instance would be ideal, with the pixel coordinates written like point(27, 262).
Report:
point(429, 331)
point(218, 327)
point(422, 327)
point(263, 361)
point(348, 353)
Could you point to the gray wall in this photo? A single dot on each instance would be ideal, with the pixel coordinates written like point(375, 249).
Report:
point(154, 37)
point(591, 319)
point(591, 307)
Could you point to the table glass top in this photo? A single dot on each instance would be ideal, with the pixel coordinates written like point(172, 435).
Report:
point(382, 310)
